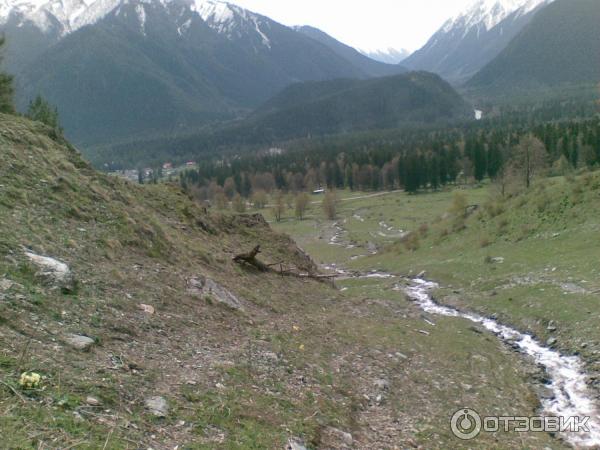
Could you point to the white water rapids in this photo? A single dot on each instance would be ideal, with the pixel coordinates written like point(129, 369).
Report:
point(572, 396)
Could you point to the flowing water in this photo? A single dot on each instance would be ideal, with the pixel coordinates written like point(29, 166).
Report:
point(572, 397)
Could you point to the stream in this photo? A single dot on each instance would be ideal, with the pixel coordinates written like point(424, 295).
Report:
point(568, 381)
point(572, 397)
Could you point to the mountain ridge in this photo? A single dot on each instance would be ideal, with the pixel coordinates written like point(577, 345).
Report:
point(152, 67)
point(471, 39)
point(559, 47)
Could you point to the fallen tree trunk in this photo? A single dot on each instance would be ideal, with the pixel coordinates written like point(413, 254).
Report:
point(250, 259)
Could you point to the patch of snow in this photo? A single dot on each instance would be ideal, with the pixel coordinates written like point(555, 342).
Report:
point(478, 114)
point(223, 17)
point(184, 27)
point(141, 12)
point(486, 14)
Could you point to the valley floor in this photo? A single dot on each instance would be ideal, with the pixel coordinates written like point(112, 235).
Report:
point(528, 260)
point(256, 360)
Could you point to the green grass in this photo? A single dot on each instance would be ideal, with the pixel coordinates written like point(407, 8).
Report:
point(547, 239)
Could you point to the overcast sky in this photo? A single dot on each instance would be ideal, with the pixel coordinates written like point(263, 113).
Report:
point(366, 24)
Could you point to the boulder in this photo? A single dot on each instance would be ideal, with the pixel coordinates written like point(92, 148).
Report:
point(208, 289)
point(79, 342)
point(53, 271)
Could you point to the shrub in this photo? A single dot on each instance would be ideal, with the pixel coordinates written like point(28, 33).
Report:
point(411, 241)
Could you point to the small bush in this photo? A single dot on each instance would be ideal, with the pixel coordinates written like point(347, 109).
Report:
point(543, 203)
point(411, 241)
point(423, 229)
point(493, 208)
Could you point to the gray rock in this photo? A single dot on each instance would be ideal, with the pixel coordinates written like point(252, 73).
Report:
point(340, 436)
point(93, 401)
point(5, 284)
point(53, 271)
point(382, 385)
point(206, 288)
point(79, 342)
point(158, 406)
point(551, 342)
point(544, 392)
point(294, 444)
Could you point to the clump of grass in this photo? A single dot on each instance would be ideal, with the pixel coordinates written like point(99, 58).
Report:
point(423, 229)
point(543, 203)
point(493, 208)
point(411, 241)
point(485, 242)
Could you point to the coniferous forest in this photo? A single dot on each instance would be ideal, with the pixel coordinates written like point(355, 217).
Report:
point(403, 159)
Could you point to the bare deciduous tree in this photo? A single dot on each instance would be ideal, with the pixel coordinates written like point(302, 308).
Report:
point(330, 205)
point(279, 206)
point(529, 158)
point(302, 201)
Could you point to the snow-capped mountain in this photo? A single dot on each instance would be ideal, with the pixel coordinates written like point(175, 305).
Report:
point(471, 39)
point(558, 51)
point(386, 55)
point(123, 68)
point(368, 65)
point(67, 16)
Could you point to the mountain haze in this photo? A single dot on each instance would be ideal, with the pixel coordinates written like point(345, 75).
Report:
point(309, 109)
point(560, 47)
point(119, 69)
point(470, 40)
point(368, 65)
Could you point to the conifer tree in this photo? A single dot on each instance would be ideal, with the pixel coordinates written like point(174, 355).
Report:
point(6, 88)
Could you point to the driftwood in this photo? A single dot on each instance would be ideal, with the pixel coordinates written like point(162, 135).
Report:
point(250, 258)
point(277, 267)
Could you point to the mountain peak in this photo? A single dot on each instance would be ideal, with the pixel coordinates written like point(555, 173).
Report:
point(489, 13)
point(388, 55)
point(68, 16)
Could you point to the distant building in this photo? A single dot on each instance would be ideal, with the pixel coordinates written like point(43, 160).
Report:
point(167, 166)
point(318, 191)
point(190, 164)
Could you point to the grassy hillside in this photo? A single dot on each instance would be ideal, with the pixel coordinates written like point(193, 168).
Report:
point(299, 361)
point(528, 259)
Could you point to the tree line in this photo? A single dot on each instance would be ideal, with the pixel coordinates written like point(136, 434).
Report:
point(425, 159)
point(38, 110)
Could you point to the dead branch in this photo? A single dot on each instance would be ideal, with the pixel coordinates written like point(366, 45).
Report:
point(250, 258)
point(291, 271)
point(14, 391)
